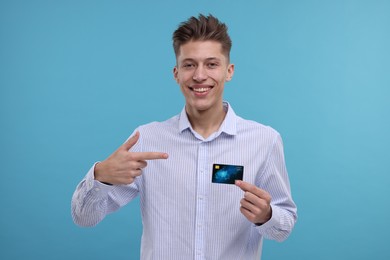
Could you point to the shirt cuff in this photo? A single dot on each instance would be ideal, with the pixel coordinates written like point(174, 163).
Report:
point(96, 186)
point(279, 226)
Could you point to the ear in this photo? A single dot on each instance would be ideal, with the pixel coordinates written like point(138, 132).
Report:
point(175, 74)
point(230, 72)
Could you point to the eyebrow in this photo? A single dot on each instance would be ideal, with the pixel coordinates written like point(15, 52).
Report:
point(207, 59)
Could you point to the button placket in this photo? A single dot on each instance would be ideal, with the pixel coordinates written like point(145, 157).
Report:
point(200, 202)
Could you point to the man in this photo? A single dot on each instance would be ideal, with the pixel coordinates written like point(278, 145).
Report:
point(211, 184)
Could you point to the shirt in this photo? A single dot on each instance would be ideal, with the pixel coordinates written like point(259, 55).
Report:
point(184, 214)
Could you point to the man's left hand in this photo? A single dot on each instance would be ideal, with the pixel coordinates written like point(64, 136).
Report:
point(256, 204)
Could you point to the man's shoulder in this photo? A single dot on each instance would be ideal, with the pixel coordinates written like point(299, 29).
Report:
point(255, 127)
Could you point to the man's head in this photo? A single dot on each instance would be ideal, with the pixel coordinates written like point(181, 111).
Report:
point(203, 66)
point(203, 28)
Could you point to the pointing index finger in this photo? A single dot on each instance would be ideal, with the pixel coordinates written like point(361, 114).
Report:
point(142, 156)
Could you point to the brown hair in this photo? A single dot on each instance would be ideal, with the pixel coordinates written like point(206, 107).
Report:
point(202, 28)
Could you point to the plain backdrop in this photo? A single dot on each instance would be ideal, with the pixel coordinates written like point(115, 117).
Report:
point(76, 78)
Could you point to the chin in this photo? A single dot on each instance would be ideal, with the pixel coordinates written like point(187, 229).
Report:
point(200, 105)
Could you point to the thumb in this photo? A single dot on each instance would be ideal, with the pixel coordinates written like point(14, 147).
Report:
point(130, 142)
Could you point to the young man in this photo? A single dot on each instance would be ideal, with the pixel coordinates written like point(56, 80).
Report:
point(220, 184)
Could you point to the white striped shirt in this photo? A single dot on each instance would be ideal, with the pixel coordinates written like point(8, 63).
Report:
point(185, 215)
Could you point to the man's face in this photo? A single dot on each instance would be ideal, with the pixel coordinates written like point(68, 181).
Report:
point(201, 71)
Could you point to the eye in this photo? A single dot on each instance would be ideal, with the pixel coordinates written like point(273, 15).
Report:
point(212, 65)
point(188, 65)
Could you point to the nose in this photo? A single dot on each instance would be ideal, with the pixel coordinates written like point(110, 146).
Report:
point(200, 74)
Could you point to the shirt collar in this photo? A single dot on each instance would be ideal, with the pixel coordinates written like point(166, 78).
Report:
point(228, 126)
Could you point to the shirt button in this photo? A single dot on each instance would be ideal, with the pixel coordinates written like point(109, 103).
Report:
point(97, 189)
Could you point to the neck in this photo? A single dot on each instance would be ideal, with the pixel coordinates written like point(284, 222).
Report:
point(206, 122)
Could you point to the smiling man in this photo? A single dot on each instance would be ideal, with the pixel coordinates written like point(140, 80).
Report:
point(188, 210)
point(202, 70)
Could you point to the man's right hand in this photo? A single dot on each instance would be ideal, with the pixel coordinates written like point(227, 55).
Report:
point(122, 167)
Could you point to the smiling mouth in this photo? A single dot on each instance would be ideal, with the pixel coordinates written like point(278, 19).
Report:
point(200, 89)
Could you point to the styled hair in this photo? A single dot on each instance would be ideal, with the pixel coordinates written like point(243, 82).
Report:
point(202, 28)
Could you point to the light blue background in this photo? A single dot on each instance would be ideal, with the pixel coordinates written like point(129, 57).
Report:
point(77, 77)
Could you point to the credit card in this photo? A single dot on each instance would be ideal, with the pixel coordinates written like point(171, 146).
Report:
point(227, 174)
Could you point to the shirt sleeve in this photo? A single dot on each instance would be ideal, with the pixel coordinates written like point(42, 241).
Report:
point(93, 200)
point(274, 179)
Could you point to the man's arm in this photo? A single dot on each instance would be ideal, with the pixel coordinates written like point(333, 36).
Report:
point(90, 201)
point(110, 184)
point(271, 207)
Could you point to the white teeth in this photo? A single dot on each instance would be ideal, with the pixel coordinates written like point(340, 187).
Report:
point(201, 89)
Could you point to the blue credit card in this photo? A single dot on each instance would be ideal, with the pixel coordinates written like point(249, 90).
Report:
point(227, 174)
